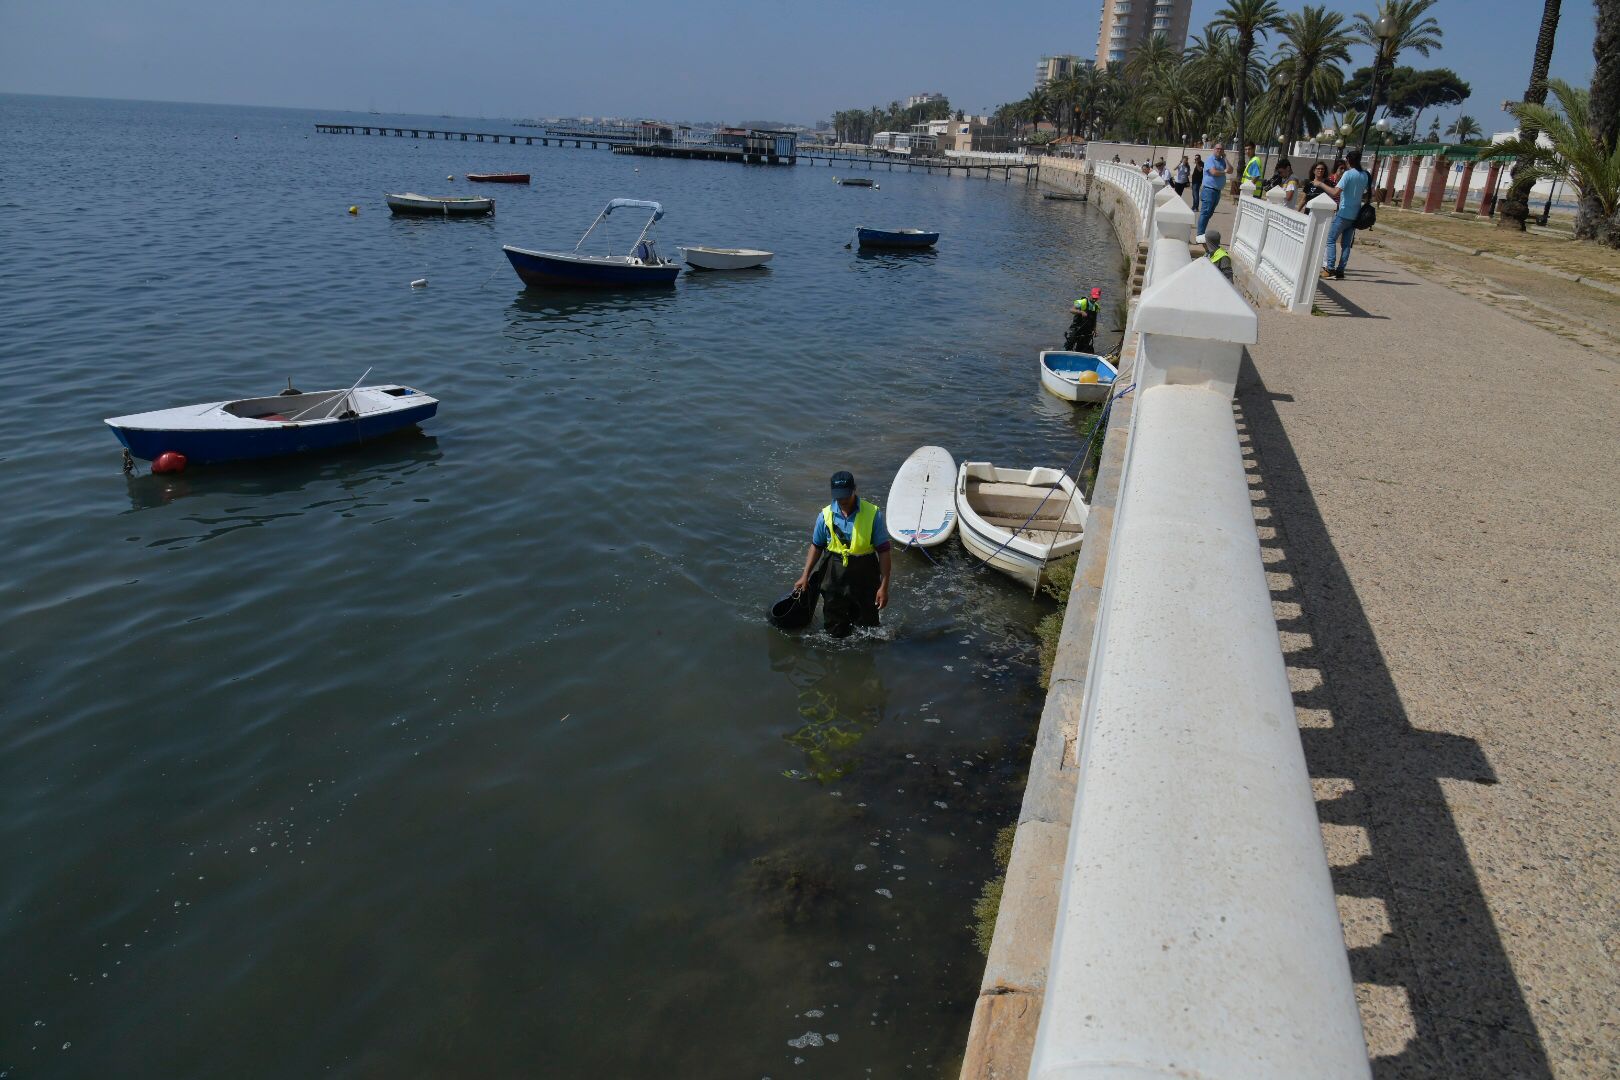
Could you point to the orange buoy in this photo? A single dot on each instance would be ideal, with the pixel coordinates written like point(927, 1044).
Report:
point(170, 461)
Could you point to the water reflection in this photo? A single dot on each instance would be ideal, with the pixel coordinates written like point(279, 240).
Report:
point(386, 460)
point(550, 305)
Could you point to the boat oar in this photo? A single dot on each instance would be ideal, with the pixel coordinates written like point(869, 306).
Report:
point(329, 401)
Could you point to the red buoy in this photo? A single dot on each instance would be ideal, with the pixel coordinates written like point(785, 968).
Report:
point(170, 461)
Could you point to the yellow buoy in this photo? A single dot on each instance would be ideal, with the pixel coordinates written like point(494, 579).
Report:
point(354, 209)
point(1088, 376)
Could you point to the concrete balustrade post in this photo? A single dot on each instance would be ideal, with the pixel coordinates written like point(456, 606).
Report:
point(1246, 189)
point(1173, 224)
point(1321, 209)
point(1275, 196)
point(1201, 324)
point(1438, 174)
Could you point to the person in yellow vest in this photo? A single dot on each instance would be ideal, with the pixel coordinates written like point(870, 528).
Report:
point(1255, 170)
point(1083, 327)
point(851, 542)
point(1218, 254)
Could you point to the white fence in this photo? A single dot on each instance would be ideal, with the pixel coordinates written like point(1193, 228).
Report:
point(1197, 930)
point(1133, 184)
point(1282, 248)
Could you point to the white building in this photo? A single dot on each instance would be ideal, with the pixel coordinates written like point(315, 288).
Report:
point(923, 99)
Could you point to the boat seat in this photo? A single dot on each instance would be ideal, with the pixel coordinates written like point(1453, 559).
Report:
point(1040, 524)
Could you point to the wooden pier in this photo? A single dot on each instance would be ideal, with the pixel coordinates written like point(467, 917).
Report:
point(595, 142)
point(748, 154)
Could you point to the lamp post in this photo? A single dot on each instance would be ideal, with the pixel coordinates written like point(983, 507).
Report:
point(1384, 30)
point(1158, 126)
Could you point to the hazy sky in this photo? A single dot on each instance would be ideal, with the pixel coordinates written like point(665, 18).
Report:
point(691, 59)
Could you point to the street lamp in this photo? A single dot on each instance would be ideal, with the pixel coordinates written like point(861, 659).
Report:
point(1158, 124)
point(1385, 31)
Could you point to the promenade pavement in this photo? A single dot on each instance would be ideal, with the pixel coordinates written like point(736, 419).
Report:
point(1437, 490)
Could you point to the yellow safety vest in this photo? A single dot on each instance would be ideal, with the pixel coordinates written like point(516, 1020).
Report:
point(860, 540)
point(1255, 170)
point(1084, 305)
point(1217, 255)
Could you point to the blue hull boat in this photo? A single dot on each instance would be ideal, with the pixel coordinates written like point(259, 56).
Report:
point(252, 428)
point(896, 238)
point(643, 266)
point(587, 271)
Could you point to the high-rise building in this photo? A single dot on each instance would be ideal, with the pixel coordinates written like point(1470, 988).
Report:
point(923, 99)
point(1049, 69)
point(1127, 24)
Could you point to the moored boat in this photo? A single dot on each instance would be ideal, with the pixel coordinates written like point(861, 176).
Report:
point(1064, 374)
point(713, 258)
point(440, 205)
point(263, 427)
point(1018, 520)
point(498, 177)
point(856, 181)
point(643, 266)
point(896, 238)
point(1063, 196)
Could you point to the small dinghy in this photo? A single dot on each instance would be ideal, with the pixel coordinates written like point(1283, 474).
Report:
point(856, 181)
point(921, 510)
point(440, 205)
point(896, 238)
point(1058, 196)
point(1065, 374)
point(1018, 520)
point(713, 258)
point(643, 266)
point(498, 177)
point(263, 427)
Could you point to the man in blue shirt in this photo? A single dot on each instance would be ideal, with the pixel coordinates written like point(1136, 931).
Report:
point(1209, 195)
point(1350, 191)
point(851, 542)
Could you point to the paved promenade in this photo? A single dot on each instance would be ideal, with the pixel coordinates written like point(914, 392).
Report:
point(1437, 486)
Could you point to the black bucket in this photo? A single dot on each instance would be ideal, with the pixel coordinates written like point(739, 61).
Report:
point(794, 611)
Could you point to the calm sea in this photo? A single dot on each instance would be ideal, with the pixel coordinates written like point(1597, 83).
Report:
point(470, 753)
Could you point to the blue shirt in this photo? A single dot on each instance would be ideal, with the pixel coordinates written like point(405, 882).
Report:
point(845, 523)
point(1215, 173)
point(1352, 186)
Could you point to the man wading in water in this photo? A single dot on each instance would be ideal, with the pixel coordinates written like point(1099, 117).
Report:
point(852, 544)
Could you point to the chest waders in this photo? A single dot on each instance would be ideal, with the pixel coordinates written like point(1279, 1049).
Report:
point(849, 585)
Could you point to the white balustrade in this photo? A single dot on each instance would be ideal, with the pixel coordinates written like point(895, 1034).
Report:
point(1197, 931)
point(1135, 187)
point(1280, 247)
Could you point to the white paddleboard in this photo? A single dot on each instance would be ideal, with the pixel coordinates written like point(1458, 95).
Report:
point(921, 511)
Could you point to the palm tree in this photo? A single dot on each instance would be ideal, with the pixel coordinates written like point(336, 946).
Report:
point(1604, 121)
point(1036, 107)
point(1409, 26)
point(1463, 128)
point(1515, 208)
point(1577, 156)
point(1173, 97)
point(1315, 43)
point(1063, 92)
point(1151, 57)
point(1250, 20)
point(1217, 69)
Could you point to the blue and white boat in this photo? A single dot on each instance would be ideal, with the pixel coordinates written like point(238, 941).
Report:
point(895, 238)
point(1062, 372)
point(643, 266)
point(288, 423)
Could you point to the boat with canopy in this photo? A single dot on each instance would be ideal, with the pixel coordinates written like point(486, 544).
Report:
point(642, 266)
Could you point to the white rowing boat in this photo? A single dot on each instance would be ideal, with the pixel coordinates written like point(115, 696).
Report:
point(440, 205)
point(699, 257)
point(1018, 520)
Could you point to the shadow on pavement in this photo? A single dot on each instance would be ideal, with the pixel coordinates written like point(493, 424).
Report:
point(1437, 992)
point(1333, 303)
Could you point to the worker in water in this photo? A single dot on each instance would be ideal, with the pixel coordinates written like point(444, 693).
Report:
point(1083, 327)
point(1218, 254)
point(851, 542)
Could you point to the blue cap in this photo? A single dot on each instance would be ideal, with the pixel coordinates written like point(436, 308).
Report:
point(843, 485)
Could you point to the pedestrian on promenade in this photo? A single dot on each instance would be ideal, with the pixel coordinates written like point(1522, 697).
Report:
point(1339, 165)
point(1217, 253)
point(1351, 191)
point(1284, 178)
point(1317, 183)
point(1116, 159)
point(1254, 171)
point(1164, 173)
point(851, 540)
point(1197, 177)
point(1209, 195)
point(1181, 174)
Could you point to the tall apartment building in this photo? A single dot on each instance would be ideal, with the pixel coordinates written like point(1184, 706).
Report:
point(1128, 23)
point(1051, 68)
point(923, 99)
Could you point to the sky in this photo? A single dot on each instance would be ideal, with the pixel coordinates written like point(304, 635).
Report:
point(688, 60)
